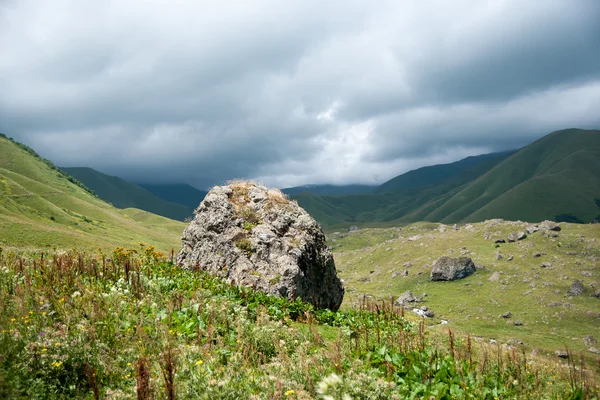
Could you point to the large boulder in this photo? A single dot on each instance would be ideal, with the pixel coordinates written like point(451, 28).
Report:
point(449, 269)
point(254, 236)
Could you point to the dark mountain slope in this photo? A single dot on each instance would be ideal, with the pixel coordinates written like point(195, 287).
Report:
point(124, 194)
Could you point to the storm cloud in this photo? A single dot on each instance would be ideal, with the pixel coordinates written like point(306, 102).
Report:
point(291, 93)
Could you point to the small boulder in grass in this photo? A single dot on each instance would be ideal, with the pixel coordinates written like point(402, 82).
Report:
point(576, 288)
point(450, 269)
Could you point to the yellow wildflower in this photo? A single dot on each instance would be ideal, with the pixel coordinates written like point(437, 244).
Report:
point(199, 362)
point(289, 392)
point(57, 364)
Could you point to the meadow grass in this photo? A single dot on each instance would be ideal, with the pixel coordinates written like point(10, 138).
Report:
point(130, 324)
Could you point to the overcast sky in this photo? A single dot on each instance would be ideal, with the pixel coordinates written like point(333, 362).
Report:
point(292, 92)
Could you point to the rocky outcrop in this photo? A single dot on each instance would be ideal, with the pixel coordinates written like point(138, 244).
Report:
point(254, 236)
point(407, 299)
point(449, 269)
point(550, 226)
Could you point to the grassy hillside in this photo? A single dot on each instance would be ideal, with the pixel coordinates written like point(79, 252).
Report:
point(435, 175)
point(122, 194)
point(373, 261)
point(556, 177)
point(41, 206)
point(557, 174)
point(184, 194)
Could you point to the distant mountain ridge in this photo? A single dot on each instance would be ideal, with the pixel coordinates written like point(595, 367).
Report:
point(556, 177)
point(124, 194)
point(180, 193)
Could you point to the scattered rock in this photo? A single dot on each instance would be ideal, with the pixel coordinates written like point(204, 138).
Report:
point(514, 341)
point(518, 323)
point(597, 293)
point(510, 258)
point(487, 236)
point(449, 269)
point(407, 298)
point(507, 314)
point(353, 228)
point(495, 277)
point(407, 264)
point(550, 226)
point(500, 241)
point(537, 255)
point(516, 236)
point(254, 236)
point(405, 273)
point(395, 274)
point(545, 265)
point(576, 288)
point(455, 227)
point(590, 341)
point(561, 354)
point(588, 274)
point(498, 256)
point(532, 229)
point(415, 238)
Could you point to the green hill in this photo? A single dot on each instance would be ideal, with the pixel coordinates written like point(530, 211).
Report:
point(557, 174)
point(42, 206)
point(557, 177)
point(123, 194)
point(179, 193)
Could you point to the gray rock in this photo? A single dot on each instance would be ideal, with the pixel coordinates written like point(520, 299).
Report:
point(405, 273)
point(597, 293)
point(353, 228)
point(254, 236)
point(449, 269)
point(495, 277)
point(532, 229)
point(516, 236)
point(507, 314)
point(500, 241)
point(518, 323)
point(510, 257)
point(429, 314)
point(498, 256)
point(550, 234)
point(561, 354)
point(590, 341)
point(407, 298)
point(407, 264)
point(538, 254)
point(576, 288)
point(550, 226)
point(395, 274)
point(415, 238)
point(545, 265)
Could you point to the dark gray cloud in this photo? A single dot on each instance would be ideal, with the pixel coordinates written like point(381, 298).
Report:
point(292, 93)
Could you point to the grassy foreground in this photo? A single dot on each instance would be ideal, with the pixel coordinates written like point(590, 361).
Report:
point(132, 325)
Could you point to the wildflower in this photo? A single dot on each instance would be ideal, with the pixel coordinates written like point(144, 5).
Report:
point(13, 319)
point(76, 294)
point(199, 362)
point(57, 364)
point(289, 392)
